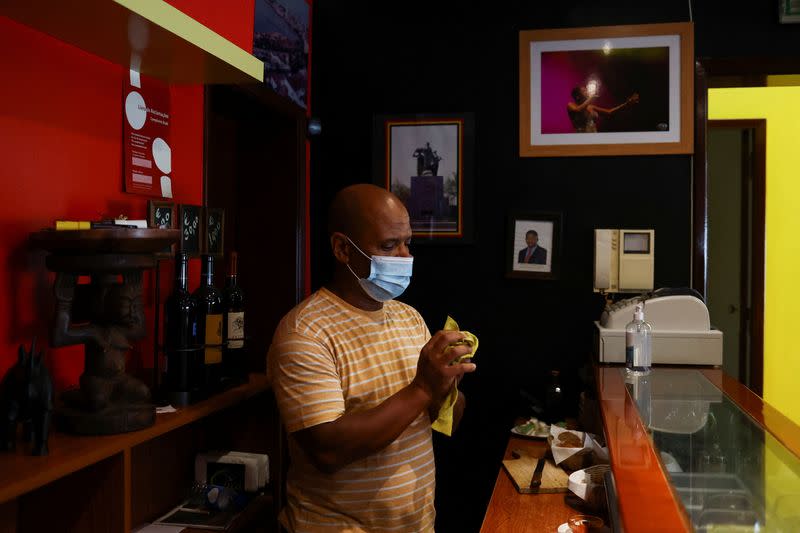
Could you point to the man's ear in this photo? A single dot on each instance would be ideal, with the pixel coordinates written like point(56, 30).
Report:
point(340, 247)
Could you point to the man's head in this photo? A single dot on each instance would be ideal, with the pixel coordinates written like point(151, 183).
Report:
point(372, 218)
point(531, 238)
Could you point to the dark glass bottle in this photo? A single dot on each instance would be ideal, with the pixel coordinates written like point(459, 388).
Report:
point(234, 357)
point(209, 326)
point(554, 399)
point(180, 338)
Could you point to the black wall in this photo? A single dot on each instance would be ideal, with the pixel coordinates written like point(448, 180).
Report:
point(444, 56)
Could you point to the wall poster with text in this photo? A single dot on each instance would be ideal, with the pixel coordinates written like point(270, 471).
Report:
point(147, 154)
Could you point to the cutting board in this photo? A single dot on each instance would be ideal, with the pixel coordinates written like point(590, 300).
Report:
point(554, 479)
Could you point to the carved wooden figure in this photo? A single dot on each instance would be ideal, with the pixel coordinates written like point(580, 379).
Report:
point(27, 397)
point(105, 316)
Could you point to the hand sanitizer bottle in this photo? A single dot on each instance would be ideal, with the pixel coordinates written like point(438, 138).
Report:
point(638, 353)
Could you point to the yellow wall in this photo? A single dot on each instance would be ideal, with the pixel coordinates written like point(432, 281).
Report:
point(781, 486)
point(783, 80)
point(780, 106)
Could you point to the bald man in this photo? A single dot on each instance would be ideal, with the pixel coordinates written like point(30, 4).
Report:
point(358, 380)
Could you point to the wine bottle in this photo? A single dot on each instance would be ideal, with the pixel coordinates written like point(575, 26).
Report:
point(209, 325)
point(554, 399)
point(234, 357)
point(180, 338)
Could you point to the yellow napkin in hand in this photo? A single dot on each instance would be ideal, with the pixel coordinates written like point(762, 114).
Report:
point(444, 423)
point(469, 338)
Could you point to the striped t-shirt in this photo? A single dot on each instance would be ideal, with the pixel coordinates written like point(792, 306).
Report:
point(327, 358)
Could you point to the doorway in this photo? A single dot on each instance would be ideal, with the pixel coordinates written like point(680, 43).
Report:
point(735, 249)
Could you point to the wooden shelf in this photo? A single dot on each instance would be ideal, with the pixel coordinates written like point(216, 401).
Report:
point(105, 240)
point(21, 473)
point(172, 46)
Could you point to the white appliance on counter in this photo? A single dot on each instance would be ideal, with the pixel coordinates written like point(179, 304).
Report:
point(682, 333)
point(624, 260)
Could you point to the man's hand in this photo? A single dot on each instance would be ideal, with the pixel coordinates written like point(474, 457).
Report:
point(354, 435)
point(435, 375)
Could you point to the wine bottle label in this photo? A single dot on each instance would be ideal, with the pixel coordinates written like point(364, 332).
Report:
point(213, 350)
point(236, 330)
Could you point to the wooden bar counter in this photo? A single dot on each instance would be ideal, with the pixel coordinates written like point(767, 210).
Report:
point(690, 449)
point(509, 510)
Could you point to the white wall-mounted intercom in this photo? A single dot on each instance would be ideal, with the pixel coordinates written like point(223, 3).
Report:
point(624, 260)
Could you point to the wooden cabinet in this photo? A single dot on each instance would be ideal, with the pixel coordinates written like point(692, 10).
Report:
point(115, 483)
point(255, 168)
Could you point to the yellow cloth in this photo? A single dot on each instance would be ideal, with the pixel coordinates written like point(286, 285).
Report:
point(444, 423)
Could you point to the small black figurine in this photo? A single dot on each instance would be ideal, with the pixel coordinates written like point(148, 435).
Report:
point(27, 397)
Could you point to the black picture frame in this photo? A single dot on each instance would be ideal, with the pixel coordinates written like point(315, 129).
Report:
point(548, 227)
point(191, 226)
point(161, 215)
point(214, 231)
point(438, 187)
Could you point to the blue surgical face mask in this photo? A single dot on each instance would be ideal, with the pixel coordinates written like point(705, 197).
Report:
point(388, 276)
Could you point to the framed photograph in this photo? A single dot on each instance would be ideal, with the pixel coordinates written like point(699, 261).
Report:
point(534, 245)
point(191, 229)
point(215, 231)
point(428, 162)
point(609, 90)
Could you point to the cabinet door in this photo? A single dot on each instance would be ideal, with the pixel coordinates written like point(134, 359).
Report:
point(255, 160)
point(91, 500)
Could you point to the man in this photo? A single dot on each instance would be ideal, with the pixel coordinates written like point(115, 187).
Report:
point(533, 253)
point(358, 380)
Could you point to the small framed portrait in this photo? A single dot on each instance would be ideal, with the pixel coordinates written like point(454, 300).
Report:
point(215, 231)
point(191, 226)
point(534, 245)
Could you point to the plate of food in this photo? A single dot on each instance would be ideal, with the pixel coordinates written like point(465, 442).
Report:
point(533, 428)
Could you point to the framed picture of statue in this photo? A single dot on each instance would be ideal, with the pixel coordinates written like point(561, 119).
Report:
point(533, 249)
point(428, 161)
point(607, 90)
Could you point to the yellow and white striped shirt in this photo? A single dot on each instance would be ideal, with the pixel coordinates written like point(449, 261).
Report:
point(327, 358)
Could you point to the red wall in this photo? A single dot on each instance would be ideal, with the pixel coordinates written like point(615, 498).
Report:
point(61, 158)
